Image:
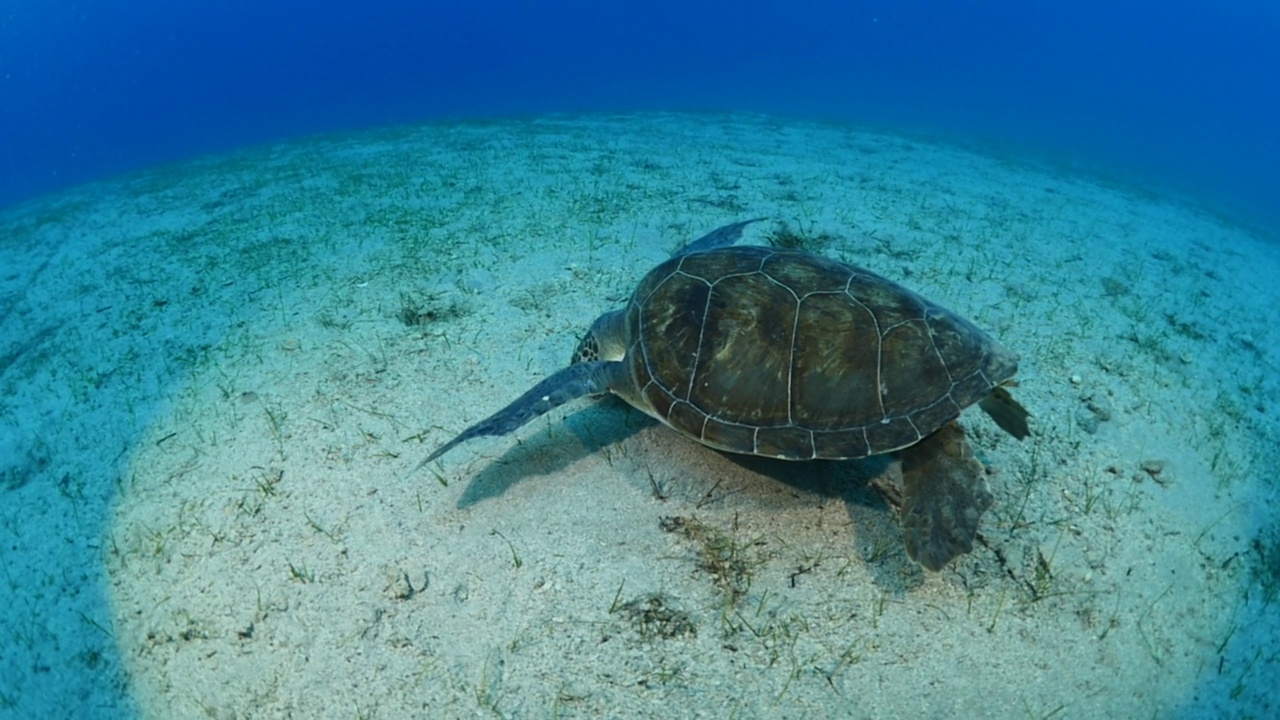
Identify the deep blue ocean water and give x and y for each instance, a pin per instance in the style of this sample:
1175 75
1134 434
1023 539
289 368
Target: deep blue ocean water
1177 93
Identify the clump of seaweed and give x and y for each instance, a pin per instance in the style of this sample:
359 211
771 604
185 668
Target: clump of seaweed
418 309
653 617
784 236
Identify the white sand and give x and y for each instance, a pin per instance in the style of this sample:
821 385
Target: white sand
213 408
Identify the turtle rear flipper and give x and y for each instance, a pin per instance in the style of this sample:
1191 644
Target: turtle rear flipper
944 496
586 378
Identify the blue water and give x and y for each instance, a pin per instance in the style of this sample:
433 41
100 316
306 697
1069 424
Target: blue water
1177 94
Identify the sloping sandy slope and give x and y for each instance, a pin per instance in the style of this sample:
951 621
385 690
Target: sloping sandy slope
219 378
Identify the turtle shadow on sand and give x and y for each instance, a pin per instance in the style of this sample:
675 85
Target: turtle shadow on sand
610 422
555 448
606 425
869 491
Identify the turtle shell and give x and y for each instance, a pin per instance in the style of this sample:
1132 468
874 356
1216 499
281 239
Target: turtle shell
785 354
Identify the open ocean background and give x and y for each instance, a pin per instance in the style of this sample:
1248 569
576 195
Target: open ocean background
1180 94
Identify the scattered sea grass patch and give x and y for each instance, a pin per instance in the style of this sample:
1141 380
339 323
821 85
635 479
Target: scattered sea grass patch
1114 287
1265 562
24 465
730 562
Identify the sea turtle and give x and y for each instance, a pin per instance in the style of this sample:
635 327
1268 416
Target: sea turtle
782 353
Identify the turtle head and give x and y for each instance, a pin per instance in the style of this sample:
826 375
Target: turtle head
605 340
588 349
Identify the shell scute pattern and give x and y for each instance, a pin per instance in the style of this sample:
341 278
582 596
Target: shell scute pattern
785 354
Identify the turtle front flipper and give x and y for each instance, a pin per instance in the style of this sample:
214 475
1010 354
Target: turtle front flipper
587 378
944 496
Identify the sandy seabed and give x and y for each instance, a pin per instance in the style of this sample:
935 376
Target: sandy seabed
219 379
